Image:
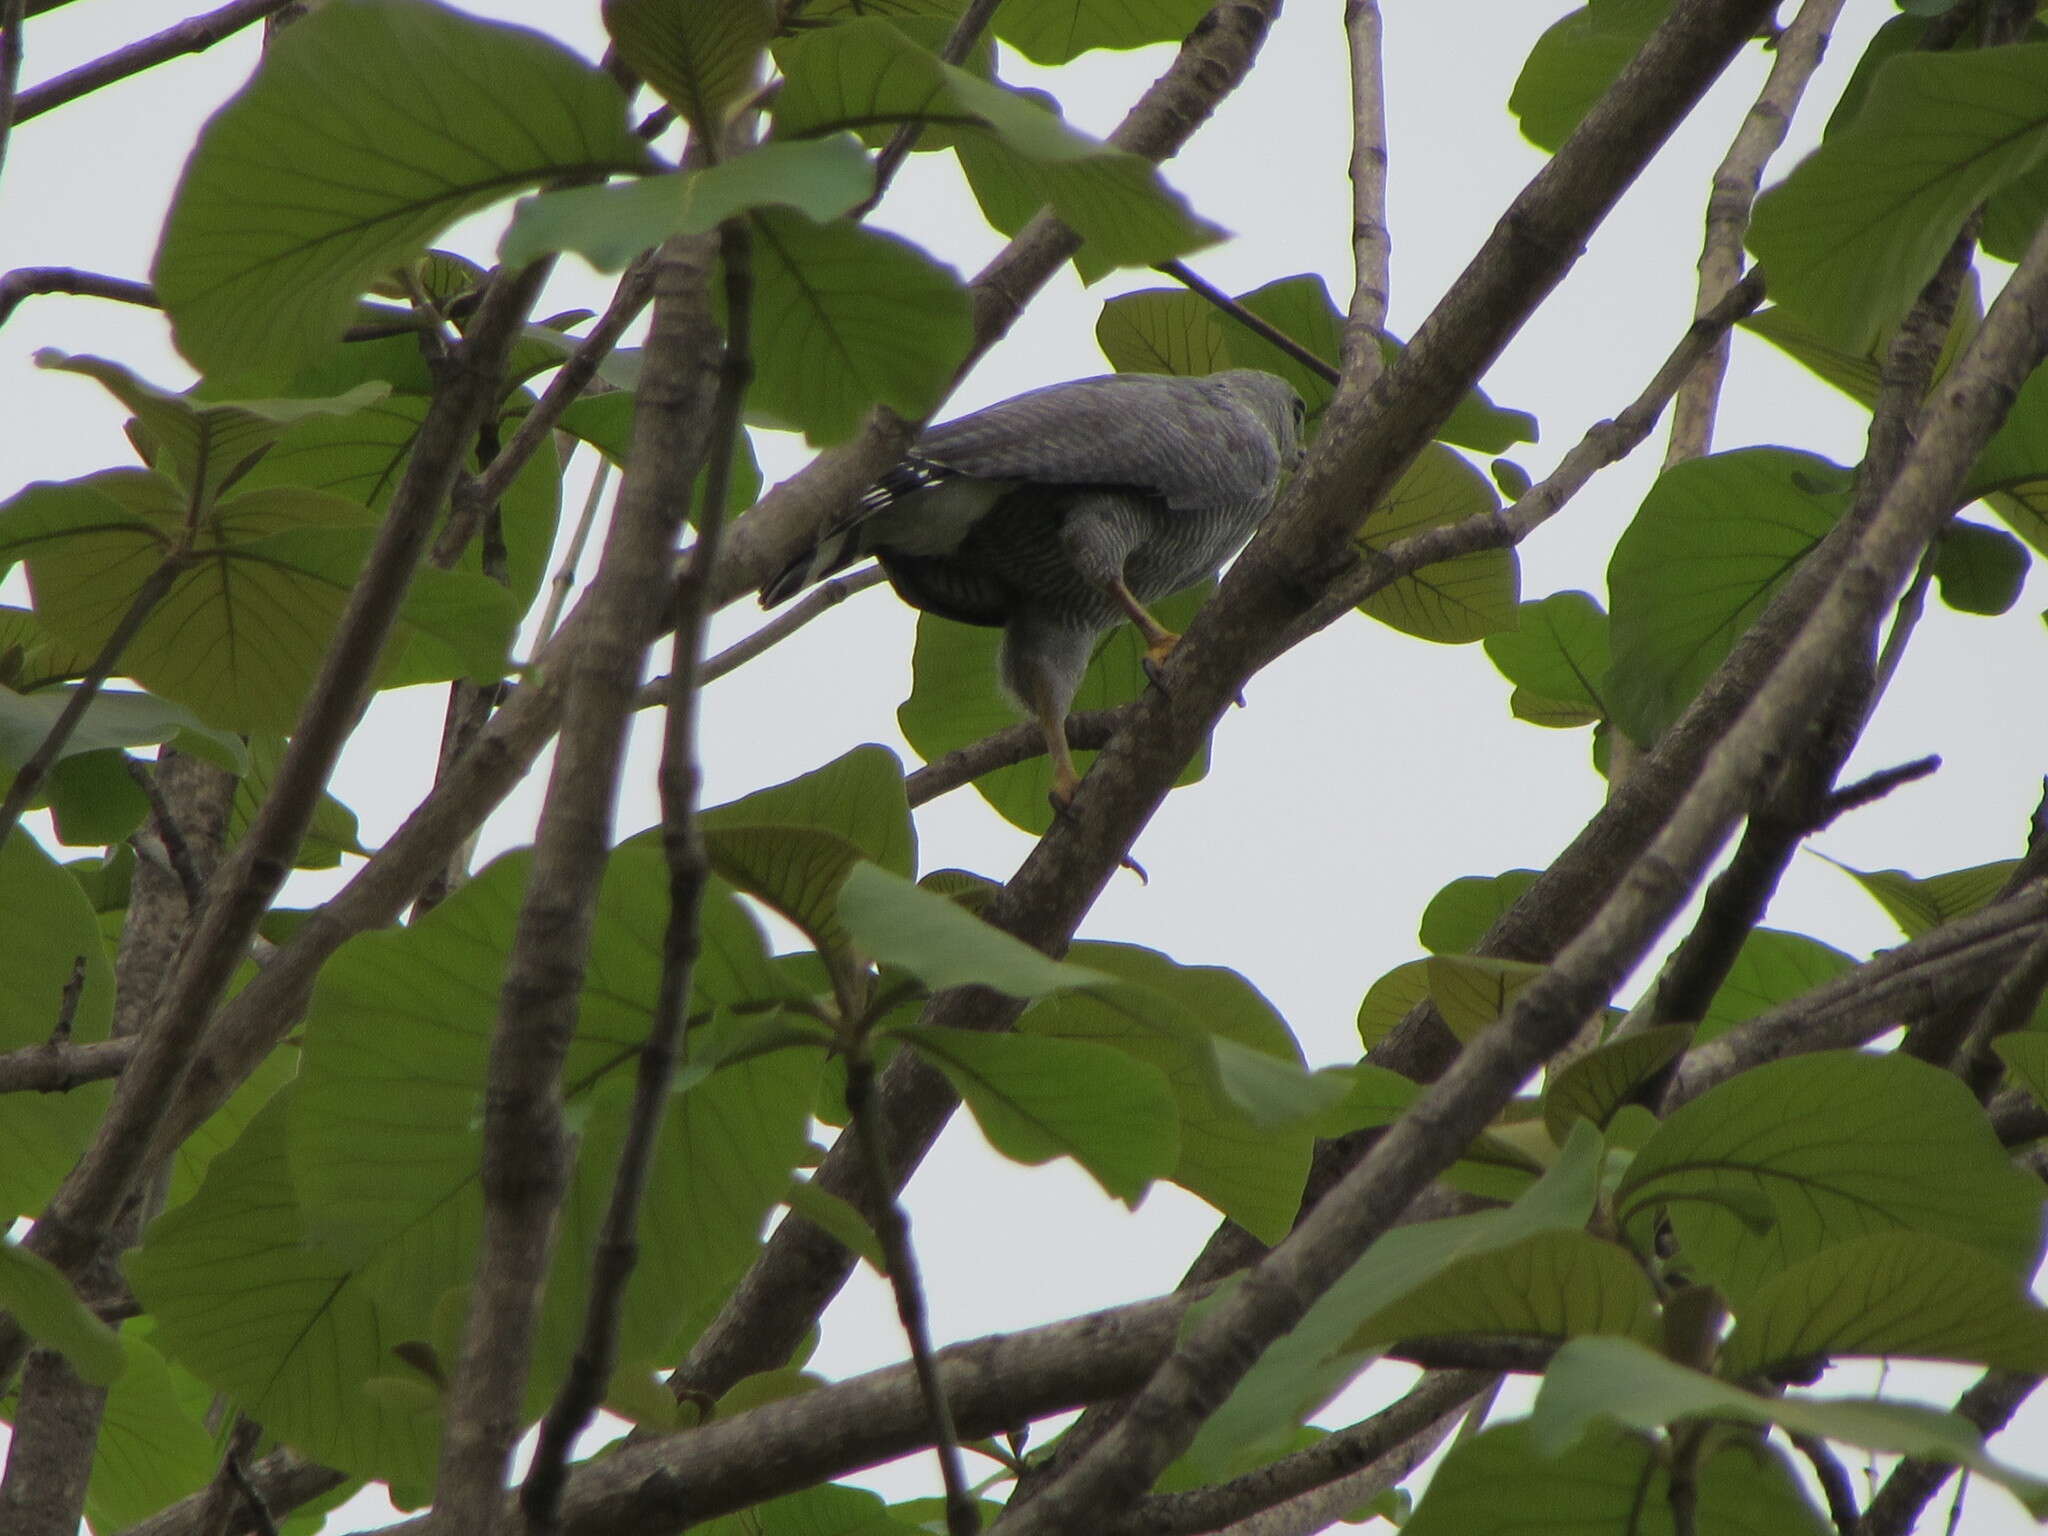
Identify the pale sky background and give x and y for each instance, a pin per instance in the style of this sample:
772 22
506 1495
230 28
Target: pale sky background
1368 770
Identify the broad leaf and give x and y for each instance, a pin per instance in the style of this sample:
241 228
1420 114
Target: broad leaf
1557 657
1455 601
1979 569
703 58
1459 915
858 796
1857 229
1036 1098
49 931
371 126
1173 1017
1387 1001
1574 63
1840 1145
846 318
1472 991
1055 31
610 225
943 945
116 718
152 1449
201 444
1552 1285
1502 1482
1895 1294
1596 1085
1303 1369
1920 905
1712 543
1618 1380
38 1296
1772 968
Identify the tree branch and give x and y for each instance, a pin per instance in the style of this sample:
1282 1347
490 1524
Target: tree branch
1797 54
1371 245
689 868
1989 1404
195 34
525 1154
12 15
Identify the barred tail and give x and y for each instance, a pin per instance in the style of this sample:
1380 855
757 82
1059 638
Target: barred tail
829 556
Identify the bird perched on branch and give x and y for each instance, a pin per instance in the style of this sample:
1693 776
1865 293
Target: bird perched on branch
1056 514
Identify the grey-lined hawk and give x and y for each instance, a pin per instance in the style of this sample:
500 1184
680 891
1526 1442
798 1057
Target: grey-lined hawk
1055 514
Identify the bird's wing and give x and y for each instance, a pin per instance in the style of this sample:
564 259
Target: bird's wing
1180 439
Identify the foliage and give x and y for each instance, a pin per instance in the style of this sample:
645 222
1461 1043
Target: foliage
310 1262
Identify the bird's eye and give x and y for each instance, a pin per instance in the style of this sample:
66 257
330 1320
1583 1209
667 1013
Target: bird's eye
1300 415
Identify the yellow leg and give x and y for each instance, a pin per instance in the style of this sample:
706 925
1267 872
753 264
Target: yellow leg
1159 640
1065 778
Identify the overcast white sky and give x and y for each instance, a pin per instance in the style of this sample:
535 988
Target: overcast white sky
1368 769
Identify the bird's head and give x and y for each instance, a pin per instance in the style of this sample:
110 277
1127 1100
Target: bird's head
1273 400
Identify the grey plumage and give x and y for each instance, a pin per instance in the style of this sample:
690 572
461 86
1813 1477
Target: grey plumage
1057 513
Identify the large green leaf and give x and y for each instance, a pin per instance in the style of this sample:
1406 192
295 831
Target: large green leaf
861 73
1857 229
1554 1284
1599 1083
954 699
1171 1016
1611 1483
829 1510
241 633
704 58
1896 1294
1596 1380
152 1448
1557 657
396 1036
1387 1001
844 319
330 834
858 796
1037 1097
1920 905
1459 915
245 1300
116 718
1836 1146
1055 31
610 225
943 944
371 126
1455 601
50 929
200 444
38 1296
1712 543
1575 61
1303 1369
1473 991
1979 569
1770 969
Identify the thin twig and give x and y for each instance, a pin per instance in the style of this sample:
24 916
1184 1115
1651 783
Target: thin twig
1834 1480
564 581
1989 1403
1180 273
1371 244
177 851
1793 60
689 869
194 34
12 15
33 772
67 1004
27 282
1874 787
1905 619
825 595
892 1228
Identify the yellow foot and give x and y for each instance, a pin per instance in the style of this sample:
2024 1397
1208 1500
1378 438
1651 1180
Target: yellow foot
1157 649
